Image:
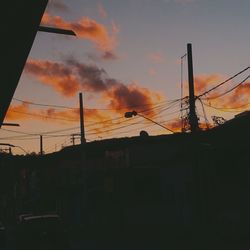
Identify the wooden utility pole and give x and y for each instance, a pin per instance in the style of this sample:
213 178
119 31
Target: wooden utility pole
73 139
83 140
193 120
41 145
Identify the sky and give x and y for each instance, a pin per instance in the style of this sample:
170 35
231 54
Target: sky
127 56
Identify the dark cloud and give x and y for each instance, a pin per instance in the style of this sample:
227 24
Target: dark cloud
57 5
109 55
72 76
105 56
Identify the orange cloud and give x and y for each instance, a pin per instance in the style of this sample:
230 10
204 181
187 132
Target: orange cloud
24 112
236 99
174 125
133 96
86 28
204 82
56 75
12 115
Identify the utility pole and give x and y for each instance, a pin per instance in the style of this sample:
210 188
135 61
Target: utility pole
41 145
193 120
73 139
83 140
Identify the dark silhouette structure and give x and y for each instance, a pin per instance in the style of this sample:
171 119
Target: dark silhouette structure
16 43
159 190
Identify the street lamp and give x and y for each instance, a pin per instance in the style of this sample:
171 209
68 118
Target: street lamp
10 124
13 146
134 113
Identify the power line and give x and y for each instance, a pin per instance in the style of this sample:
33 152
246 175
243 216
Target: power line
44 116
222 109
228 108
204 112
122 117
222 83
230 90
42 104
41 133
17 132
25 135
125 120
66 119
73 108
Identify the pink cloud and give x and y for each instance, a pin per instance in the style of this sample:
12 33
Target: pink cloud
86 28
102 12
152 72
156 57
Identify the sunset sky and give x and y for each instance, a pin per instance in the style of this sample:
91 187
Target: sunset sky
126 56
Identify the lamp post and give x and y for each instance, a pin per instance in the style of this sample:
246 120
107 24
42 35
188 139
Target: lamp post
134 113
13 146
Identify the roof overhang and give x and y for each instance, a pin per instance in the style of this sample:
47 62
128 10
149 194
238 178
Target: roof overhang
21 23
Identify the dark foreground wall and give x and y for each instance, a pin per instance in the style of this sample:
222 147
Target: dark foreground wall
150 185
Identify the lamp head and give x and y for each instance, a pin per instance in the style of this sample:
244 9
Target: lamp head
130 114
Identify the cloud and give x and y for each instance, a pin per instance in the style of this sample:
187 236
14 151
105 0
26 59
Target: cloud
57 5
72 76
106 55
121 95
86 28
236 98
156 57
12 115
204 82
152 72
24 111
109 55
174 125
115 28
102 12
58 76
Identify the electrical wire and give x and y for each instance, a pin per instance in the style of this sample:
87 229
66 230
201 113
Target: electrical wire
42 104
204 112
86 108
222 83
44 116
230 90
66 119
25 135
222 109
228 108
